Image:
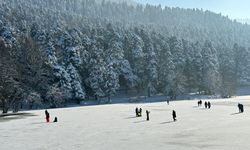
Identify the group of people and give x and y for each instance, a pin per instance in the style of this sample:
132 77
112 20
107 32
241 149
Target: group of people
207 104
139 111
47 116
139 114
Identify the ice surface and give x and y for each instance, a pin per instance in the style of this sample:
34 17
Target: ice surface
114 127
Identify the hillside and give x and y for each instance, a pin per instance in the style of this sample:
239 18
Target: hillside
247 21
58 52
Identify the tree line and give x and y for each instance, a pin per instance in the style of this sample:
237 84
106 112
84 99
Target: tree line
55 52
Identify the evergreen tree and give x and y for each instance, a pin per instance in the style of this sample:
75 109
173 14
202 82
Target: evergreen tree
210 69
227 72
179 81
197 66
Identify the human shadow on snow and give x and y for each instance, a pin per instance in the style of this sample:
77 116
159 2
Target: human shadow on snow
167 122
131 117
236 113
39 123
141 121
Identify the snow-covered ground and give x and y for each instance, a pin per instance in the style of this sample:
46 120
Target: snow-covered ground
114 127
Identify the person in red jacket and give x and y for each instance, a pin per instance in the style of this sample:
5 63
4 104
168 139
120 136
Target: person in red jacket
47 115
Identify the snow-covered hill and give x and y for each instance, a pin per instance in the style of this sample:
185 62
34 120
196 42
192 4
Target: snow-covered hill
120 1
247 21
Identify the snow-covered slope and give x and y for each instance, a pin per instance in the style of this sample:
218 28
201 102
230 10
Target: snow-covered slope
114 127
247 21
120 1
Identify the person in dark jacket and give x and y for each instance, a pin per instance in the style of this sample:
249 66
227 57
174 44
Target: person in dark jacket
47 115
174 115
205 104
137 112
140 112
147 112
241 108
208 105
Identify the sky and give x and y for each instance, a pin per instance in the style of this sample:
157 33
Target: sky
234 9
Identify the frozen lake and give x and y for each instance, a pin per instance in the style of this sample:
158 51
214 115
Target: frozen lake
114 127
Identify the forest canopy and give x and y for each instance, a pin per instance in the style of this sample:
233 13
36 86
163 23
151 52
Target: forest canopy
59 51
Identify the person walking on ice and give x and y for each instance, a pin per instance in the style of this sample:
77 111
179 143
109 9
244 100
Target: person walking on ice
140 112
147 112
137 112
241 108
208 105
174 115
47 115
205 104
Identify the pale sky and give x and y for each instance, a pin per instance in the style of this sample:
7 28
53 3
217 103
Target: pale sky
235 9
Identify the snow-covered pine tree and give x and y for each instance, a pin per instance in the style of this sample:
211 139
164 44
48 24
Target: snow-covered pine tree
166 68
227 72
117 65
70 44
9 85
210 69
55 96
151 74
33 98
111 80
96 70
197 66
192 63
179 82
133 46
241 58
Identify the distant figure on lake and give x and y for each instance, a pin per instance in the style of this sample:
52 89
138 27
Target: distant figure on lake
55 120
205 104
199 103
137 112
47 115
140 112
168 102
208 105
174 115
147 112
241 108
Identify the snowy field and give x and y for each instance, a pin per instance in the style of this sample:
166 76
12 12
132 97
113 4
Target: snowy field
114 127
